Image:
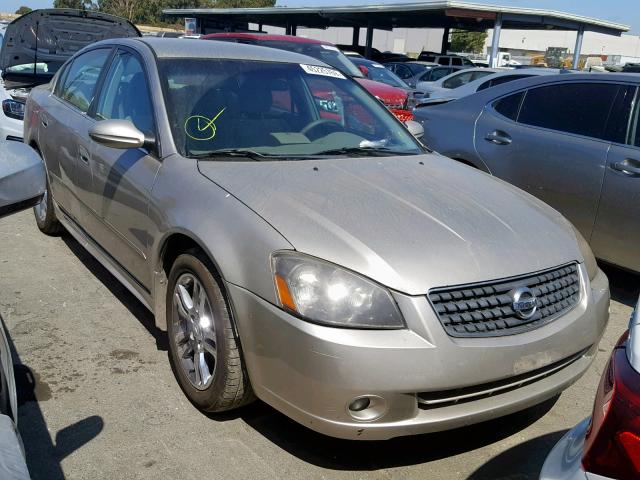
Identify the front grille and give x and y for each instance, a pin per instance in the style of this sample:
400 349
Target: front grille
486 309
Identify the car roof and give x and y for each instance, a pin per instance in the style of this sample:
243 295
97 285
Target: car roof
264 37
196 48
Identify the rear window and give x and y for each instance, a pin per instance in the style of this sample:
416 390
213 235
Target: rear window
579 108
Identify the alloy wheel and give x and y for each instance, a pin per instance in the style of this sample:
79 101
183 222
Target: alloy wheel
194 331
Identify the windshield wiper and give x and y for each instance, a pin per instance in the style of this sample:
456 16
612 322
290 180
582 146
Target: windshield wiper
364 151
232 152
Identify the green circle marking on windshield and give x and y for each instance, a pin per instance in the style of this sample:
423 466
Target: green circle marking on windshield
199 127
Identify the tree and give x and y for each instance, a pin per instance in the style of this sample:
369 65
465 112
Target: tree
23 10
244 3
468 42
77 4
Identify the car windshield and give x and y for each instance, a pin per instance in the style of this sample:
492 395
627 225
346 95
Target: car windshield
256 110
326 53
378 73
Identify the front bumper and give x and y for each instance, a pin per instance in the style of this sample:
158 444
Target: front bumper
312 373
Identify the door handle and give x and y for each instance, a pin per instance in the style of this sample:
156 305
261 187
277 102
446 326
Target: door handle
498 137
627 167
83 155
44 121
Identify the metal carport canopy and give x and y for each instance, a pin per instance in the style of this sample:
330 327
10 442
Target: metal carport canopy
445 14
438 14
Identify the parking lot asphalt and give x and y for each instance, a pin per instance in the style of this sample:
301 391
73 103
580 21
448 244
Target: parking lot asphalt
98 399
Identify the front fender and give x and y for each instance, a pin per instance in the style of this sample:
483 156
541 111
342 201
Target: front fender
237 240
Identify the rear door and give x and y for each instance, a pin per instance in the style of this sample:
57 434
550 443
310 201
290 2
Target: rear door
550 141
122 179
64 125
616 235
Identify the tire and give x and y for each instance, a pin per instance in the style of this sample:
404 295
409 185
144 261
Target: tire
46 215
202 332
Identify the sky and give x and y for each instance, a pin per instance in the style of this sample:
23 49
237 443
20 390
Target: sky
621 11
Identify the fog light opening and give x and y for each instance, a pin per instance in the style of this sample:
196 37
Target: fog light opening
367 408
359 404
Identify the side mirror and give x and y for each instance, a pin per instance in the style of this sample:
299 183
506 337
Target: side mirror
364 70
118 134
22 177
415 128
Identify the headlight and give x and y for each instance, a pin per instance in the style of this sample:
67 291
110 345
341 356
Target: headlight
587 254
325 293
13 109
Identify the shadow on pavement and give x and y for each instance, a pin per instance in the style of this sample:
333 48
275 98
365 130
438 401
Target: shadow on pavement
131 303
624 285
524 461
43 454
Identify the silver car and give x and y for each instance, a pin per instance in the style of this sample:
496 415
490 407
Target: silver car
297 243
571 140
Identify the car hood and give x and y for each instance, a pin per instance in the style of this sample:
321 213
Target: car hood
49 37
410 223
388 94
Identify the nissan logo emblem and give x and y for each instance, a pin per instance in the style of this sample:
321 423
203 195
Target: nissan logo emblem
524 302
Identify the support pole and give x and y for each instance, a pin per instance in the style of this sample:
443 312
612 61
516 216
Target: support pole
495 41
578 47
367 49
445 41
294 29
355 41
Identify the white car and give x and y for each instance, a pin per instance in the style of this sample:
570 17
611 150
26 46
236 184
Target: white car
450 88
12 111
12 101
454 80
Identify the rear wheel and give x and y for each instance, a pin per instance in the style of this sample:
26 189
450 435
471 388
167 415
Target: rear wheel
46 215
203 345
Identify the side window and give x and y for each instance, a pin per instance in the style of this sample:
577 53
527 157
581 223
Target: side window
467 62
403 72
509 106
457 80
60 78
456 61
437 74
443 61
125 95
484 85
507 78
580 108
426 76
634 128
622 126
82 77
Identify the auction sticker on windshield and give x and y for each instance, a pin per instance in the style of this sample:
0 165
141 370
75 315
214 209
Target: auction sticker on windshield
324 71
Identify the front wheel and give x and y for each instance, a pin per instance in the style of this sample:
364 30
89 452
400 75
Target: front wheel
46 215
203 345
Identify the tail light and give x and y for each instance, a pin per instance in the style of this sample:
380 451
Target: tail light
612 446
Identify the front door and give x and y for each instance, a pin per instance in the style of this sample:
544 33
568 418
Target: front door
549 141
122 179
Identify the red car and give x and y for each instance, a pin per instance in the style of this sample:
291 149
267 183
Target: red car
394 98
